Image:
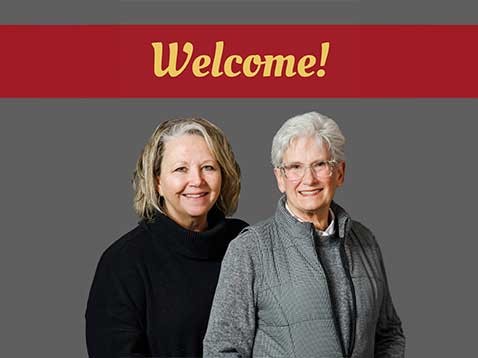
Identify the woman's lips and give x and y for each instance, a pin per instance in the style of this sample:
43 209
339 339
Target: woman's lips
310 192
195 195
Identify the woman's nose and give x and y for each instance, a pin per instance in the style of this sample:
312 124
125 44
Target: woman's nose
309 175
195 177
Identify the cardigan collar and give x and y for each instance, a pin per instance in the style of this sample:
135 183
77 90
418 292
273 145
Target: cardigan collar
304 230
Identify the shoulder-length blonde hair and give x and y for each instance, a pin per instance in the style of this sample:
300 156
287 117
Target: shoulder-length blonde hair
148 167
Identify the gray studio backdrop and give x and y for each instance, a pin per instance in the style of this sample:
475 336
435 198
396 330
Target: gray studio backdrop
66 195
67 164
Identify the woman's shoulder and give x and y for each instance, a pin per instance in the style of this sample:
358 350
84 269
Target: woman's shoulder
129 247
118 277
235 226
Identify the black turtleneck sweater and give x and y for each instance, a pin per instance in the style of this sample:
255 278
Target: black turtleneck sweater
153 289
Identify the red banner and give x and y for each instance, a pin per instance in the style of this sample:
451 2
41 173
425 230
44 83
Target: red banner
343 61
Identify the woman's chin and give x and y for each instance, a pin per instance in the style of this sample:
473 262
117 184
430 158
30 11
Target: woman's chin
197 211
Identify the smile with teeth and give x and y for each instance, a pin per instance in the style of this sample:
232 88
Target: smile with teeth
309 192
195 196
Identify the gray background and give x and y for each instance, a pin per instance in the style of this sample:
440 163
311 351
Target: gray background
66 196
66 168
239 11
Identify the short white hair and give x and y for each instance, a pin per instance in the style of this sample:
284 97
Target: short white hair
310 124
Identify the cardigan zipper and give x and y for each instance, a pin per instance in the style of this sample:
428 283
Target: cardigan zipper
338 331
345 263
347 353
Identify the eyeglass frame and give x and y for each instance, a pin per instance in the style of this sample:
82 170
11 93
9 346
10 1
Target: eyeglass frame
330 163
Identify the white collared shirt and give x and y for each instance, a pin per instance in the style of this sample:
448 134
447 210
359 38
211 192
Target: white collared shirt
327 232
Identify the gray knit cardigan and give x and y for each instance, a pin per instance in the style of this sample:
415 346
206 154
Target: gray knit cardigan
272 299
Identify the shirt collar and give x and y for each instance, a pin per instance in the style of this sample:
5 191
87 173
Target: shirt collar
327 232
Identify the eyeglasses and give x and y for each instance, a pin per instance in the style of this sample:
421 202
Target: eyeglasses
321 169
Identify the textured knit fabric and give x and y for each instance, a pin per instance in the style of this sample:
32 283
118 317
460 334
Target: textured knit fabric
272 298
153 289
340 287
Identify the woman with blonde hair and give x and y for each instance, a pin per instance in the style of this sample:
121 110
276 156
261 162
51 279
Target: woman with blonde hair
153 288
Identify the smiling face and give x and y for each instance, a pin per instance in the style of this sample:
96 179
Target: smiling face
190 181
309 198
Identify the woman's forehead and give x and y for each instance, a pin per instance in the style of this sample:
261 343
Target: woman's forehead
305 148
186 147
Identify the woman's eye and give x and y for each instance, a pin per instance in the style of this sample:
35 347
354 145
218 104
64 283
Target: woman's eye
320 164
181 170
208 168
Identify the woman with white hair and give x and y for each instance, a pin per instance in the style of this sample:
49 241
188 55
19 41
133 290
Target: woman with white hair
309 281
153 288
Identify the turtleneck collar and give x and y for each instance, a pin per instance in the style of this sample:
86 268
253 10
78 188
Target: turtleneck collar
204 245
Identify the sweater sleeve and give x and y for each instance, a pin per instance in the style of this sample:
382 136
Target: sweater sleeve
114 327
389 337
232 323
